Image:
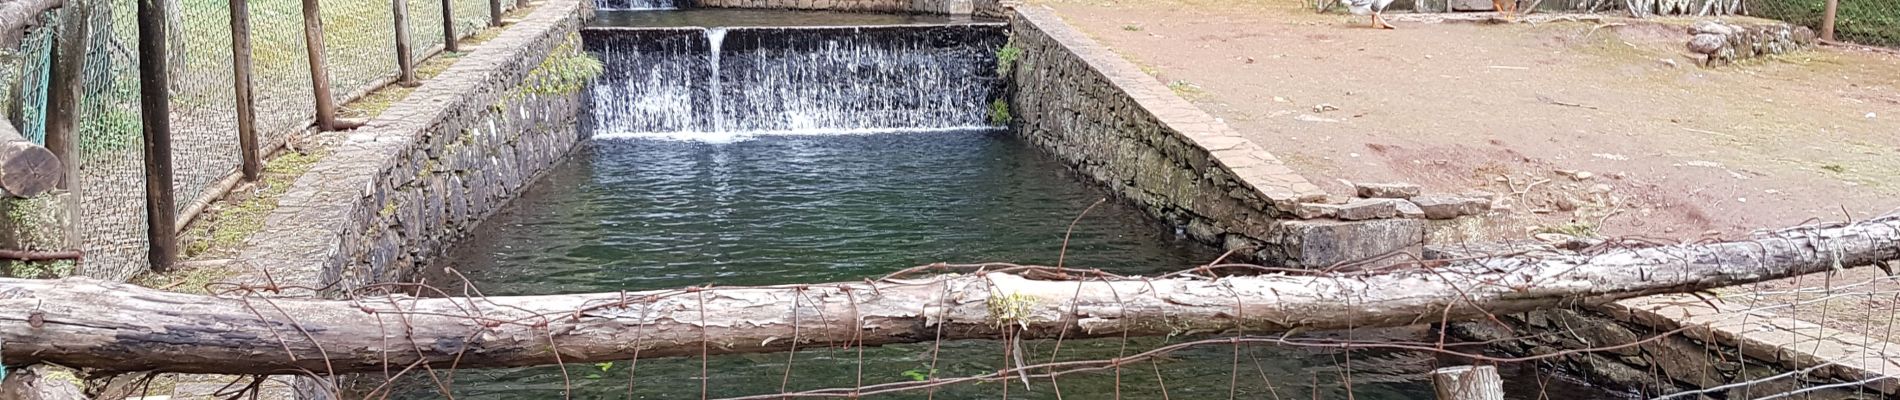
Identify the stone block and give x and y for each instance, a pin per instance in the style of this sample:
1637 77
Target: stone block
1364 209
1321 243
1448 207
1472 5
1315 210
1385 190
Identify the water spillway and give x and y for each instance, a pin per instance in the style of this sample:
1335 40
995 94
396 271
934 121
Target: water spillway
636 5
720 82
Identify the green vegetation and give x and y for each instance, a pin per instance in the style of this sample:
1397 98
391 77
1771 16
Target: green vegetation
1572 228
567 69
1131 28
999 112
1186 89
235 220
1866 22
1006 57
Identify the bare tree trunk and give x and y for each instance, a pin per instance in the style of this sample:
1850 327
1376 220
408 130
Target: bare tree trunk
87 323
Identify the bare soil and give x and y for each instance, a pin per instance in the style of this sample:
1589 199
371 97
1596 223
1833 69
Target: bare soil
1590 127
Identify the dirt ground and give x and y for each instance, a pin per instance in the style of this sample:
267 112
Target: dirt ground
1585 127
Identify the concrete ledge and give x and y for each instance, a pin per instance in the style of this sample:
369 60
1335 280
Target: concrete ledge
1103 116
400 188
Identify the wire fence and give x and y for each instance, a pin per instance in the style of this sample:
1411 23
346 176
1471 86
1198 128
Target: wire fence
359 44
1868 22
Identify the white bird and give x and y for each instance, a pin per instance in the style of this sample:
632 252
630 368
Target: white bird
1374 7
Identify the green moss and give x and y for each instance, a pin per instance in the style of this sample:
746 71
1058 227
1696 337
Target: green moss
38 269
1573 228
566 70
234 220
1010 309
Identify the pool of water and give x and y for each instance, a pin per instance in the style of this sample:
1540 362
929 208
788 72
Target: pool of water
635 214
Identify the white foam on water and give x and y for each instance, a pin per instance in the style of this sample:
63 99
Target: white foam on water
735 137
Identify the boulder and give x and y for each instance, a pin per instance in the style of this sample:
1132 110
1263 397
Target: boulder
1364 209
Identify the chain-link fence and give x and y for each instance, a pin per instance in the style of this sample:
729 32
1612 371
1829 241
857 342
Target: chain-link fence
1868 22
359 45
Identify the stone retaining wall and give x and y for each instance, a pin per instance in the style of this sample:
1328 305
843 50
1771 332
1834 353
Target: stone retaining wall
1098 112
410 182
1723 349
1719 43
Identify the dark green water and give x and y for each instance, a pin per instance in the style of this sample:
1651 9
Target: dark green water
649 214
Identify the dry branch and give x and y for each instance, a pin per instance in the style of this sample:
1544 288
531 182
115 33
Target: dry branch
116 327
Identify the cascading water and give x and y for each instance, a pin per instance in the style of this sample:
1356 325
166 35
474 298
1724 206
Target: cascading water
635 5
703 83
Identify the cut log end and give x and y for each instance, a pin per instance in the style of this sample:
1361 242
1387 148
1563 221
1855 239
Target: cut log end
1468 383
28 170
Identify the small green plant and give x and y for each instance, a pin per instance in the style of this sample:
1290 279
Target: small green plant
1131 28
999 112
920 374
567 69
1006 57
1835 168
1185 89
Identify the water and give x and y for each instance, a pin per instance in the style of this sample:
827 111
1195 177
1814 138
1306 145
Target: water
754 156
636 5
699 82
635 214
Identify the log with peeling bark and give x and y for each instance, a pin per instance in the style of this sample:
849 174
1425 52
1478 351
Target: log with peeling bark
116 327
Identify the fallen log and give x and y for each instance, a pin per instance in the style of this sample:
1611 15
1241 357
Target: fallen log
116 327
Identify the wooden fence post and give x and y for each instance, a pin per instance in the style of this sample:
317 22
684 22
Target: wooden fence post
1468 383
448 27
1827 19
405 57
155 111
494 12
62 102
253 156
319 69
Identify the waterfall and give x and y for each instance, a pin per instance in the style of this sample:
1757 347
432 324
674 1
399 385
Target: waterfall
635 5
715 36
687 82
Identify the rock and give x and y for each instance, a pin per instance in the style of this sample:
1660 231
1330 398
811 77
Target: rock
1669 62
1409 210
1448 207
1315 210
1386 190
1707 43
1323 243
1364 209
1712 28
1324 107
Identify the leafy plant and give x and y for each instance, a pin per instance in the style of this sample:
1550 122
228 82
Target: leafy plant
920 374
1006 57
999 112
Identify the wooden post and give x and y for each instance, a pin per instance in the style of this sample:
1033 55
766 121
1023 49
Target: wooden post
155 111
448 26
252 154
62 102
405 57
494 12
1827 19
319 69
1468 383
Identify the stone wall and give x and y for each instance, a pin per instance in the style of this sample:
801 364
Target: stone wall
1719 43
419 176
1732 353
1098 112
